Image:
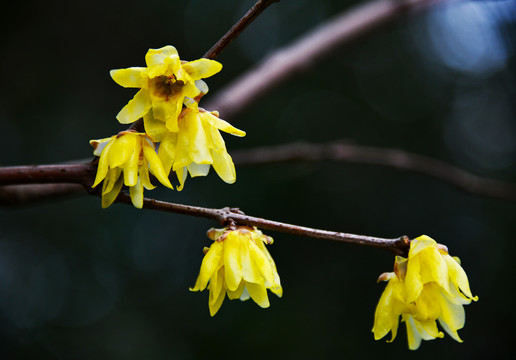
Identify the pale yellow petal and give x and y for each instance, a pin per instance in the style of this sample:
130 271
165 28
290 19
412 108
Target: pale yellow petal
222 125
131 166
154 128
202 68
386 317
198 169
420 243
250 271
122 150
103 166
133 77
258 293
168 111
232 265
217 292
135 108
136 193
413 336
413 282
156 167
223 165
260 261
109 197
209 264
167 151
237 294
458 276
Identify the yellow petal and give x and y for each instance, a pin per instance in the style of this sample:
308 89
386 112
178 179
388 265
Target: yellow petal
156 167
209 264
131 166
258 293
420 243
223 165
134 77
202 68
112 177
198 169
135 108
413 336
198 142
168 111
154 128
458 276
143 173
167 151
232 295
427 303
222 125
109 197
232 265
250 271
413 283
122 150
260 261
386 316
217 292
452 314
136 193
103 166
155 58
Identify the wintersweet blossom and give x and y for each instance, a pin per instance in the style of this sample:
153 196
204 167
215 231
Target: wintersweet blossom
164 84
239 265
196 146
127 158
426 287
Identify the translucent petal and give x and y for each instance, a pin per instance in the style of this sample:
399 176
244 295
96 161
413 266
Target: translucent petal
420 243
135 108
99 145
197 140
156 57
168 111
112 177
181 176
258 293
245 295
453 333
156 167
232 295
131 167
209 264
103 166
232 265
122 150
413 336
223 165
458 276
133 77
198 169
144 176
217 292
136 193
433 267
202 68
452 314
261 262
222 125
155 128
413 281
109 197
250 271
385 318
427 305
167 151
202 86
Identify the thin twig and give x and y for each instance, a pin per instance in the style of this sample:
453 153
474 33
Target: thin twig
236 29
398 246
296 58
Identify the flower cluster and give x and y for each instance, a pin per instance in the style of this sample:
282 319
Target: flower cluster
189 137
239 265
426 287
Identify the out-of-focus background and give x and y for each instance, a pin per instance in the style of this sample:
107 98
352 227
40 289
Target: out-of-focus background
80 282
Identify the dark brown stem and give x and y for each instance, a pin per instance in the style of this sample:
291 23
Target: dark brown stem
398 246
236 29
301 55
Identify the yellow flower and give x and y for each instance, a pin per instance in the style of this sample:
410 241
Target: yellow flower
164 84
133 155
426 287
196 146
237 263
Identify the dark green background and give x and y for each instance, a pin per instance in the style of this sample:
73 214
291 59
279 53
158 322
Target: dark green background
79 282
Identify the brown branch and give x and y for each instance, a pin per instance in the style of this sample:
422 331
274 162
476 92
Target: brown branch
398 246
296 58
393 158
16 195
236 29
84 173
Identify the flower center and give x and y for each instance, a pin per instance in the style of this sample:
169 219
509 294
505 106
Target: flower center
166 86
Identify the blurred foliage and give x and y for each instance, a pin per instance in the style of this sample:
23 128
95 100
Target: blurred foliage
80 282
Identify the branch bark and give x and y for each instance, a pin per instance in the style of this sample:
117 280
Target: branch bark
296 58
